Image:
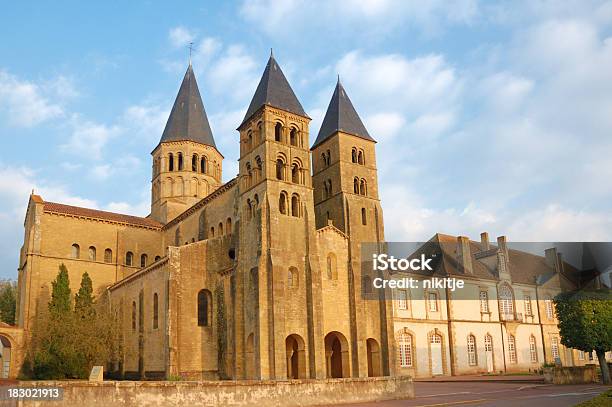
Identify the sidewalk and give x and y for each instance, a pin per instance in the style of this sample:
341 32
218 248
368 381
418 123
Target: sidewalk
534 379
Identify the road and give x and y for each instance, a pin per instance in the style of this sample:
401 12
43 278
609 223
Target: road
492 394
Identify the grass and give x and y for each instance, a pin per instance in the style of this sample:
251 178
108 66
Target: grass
603 400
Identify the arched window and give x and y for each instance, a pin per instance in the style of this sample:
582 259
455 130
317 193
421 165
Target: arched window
364 220
155 311
212 231
471 350
249 141
354 155
324 159
204 308
506 302
293 136
360 159
282 203
177 236
202 226
108 256
533 353
92 253
143 260
488 343
295 173
157 258
549 308
356 185
329 188
220 228
203 164
260 134
133 315
259 163
512 348
228 226
129 259
328 157
278 132
170 162
292 278
180 161
363 188
332 272
295 205
76 251
404 348
279 169
366 284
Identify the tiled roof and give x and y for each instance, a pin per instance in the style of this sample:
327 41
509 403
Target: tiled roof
274 90
341 116
188 120
52 207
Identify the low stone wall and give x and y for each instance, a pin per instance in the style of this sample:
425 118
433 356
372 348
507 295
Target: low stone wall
570 375
229 393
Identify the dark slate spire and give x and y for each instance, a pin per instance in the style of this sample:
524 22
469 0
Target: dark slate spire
341 116
274 90
188 120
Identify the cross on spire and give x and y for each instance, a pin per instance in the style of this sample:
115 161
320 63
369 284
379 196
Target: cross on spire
190 46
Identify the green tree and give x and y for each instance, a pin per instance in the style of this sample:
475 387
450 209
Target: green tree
60 294
83 299
585 323
8 301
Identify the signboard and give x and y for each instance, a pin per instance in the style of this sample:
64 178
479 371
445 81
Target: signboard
97 374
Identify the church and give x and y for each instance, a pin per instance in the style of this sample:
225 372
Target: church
260 277
253 278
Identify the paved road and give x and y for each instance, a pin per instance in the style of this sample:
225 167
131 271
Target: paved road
493 394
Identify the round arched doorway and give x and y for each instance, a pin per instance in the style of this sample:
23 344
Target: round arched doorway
373 352
336 355
296 358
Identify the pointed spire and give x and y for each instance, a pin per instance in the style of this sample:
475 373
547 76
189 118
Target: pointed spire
274 90
188 120
341 116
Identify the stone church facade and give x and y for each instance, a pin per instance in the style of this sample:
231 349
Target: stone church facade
260 277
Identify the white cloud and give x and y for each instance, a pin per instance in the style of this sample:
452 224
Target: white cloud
88 138
372 16
234 74
180 36
24 102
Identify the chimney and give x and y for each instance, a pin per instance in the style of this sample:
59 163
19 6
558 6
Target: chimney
464 256
552 260
484 241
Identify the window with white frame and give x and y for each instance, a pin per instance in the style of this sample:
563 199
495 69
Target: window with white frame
549 308
528 305
402 299
471 348
506 302
484 302
533 354
580 355
512 349
405 349
554 347
433 302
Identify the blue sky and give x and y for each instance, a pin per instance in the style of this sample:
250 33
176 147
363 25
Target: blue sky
489 116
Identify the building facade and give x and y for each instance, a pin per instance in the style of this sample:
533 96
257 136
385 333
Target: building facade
260 277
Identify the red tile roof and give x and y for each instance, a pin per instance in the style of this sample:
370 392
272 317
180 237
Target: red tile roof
52 207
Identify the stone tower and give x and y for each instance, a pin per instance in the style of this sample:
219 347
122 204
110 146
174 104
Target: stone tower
276 233
346 194
186 163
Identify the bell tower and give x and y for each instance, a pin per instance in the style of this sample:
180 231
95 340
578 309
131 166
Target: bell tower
186 163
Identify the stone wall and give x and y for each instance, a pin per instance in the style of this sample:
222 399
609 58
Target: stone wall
571 375
231 393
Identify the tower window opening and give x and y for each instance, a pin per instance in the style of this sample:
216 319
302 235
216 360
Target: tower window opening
170 162
278 131
293 136
194 163
295 205
364 220
279 169
180 161
354 155
203 165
